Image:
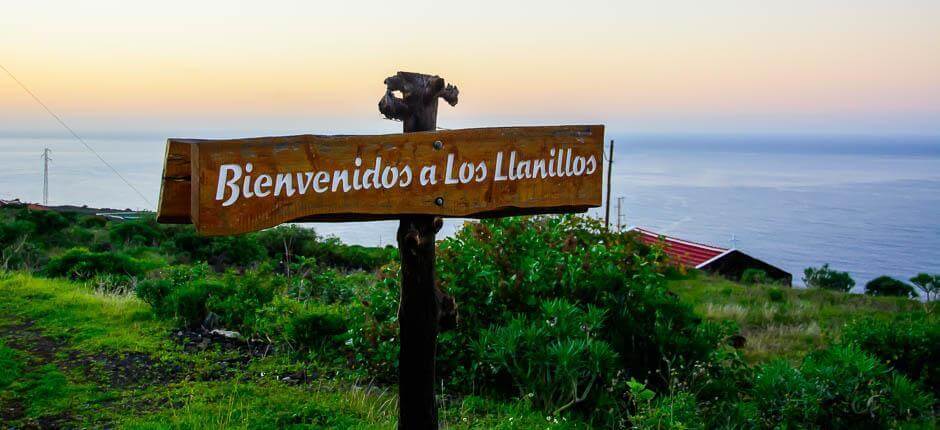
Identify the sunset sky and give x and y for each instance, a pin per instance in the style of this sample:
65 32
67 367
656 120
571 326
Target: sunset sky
227 68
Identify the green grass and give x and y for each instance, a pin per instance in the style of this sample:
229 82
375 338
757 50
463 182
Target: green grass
52 388
781 322
90 320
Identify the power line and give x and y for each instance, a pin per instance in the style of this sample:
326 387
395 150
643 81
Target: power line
76 136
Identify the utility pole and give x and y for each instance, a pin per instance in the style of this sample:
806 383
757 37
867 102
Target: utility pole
619 213
45 175
610 167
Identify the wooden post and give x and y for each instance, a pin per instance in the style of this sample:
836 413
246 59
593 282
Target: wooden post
423 310
610 168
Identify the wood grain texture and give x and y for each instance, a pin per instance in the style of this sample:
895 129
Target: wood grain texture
310 153
173 207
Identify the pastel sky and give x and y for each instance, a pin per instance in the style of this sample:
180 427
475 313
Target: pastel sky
226 68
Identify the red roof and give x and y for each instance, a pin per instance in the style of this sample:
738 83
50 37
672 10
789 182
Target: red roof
684 252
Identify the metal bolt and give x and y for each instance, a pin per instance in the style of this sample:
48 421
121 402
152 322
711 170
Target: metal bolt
438 144
439 201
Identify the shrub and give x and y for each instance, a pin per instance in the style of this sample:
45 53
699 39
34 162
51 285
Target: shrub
328 286
195 298
784 397
334 253
92 221
372 334
315 326
80 263
156 290
237 305
45 221
827 279
500 269
287 241
840 387
752 276
776 295
888 286
219 251
908 344
555 357
928 284
12 231
677 411
189 302
144 231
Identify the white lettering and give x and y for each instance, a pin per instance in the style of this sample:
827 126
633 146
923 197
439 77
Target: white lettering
226 183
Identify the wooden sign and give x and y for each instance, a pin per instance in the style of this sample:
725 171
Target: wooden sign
241 185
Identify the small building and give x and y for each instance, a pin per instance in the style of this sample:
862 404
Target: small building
729 263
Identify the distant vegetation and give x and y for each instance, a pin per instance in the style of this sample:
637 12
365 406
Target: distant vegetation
562 324
827 279
888 286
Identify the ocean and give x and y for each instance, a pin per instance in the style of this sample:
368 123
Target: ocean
869 205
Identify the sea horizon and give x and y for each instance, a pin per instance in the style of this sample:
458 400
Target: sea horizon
865 203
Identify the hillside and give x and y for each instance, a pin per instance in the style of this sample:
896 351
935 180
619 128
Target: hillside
562 325
782 322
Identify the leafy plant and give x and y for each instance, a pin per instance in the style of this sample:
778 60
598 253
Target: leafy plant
80 263
315 326
928 284
908 343
839 387
827 279
888 286
555 357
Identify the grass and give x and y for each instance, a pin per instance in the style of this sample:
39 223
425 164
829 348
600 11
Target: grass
62 345
781 322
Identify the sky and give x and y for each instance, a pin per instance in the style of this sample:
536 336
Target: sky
222 69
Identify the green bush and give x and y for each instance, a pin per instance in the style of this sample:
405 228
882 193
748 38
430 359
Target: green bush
144 231
10 232
909 344
776 295
189 302
677 411
372 334
499 269
752 276
287 242
554 357
92 222
888 286
195 298
334 253
840 387
219 251
928 284
238 304
45 221
827 279
315 326
80 263
155 291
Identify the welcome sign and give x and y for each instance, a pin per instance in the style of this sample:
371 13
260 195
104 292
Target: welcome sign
241 185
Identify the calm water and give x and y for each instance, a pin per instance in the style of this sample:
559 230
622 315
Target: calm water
868 205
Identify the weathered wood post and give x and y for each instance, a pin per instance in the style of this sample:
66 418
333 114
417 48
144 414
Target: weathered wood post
421 306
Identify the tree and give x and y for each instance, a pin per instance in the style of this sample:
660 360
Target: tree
827 279
929 284
888 286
